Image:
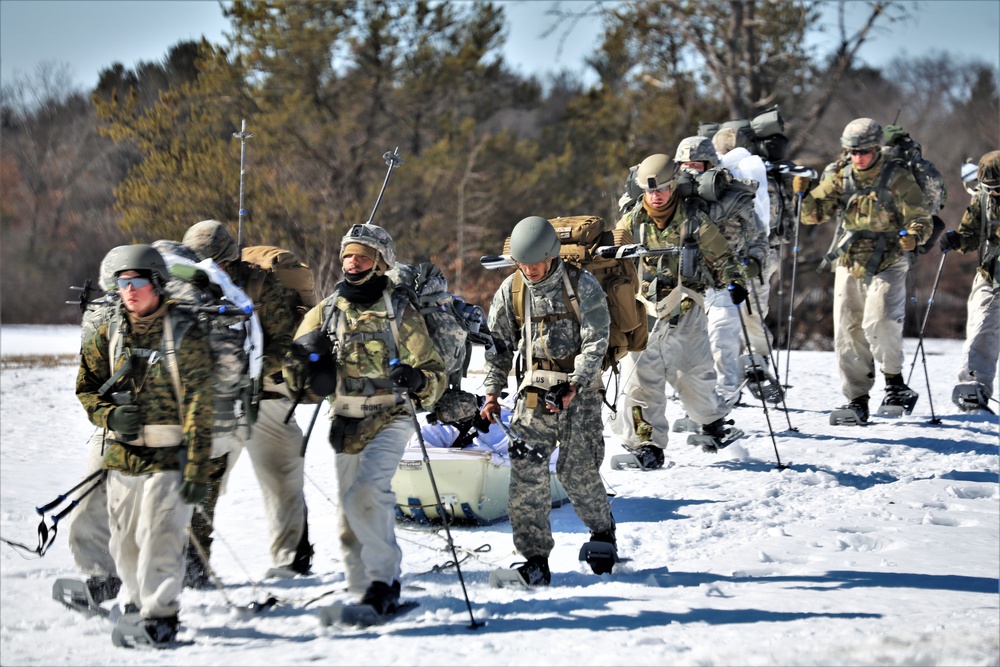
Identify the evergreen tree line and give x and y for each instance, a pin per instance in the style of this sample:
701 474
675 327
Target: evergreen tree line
328 87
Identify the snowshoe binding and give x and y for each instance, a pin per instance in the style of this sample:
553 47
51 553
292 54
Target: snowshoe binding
715 436
644 457
534 572
854 413
134 631
379 604
86 596
686 425
970 397
601 552
899 399
755 373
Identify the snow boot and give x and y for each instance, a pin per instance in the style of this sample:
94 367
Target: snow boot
755 372
535 572
644 457
971 397
383 598
103 588
715 436
195 573
899 399
601 552
854 413
133 630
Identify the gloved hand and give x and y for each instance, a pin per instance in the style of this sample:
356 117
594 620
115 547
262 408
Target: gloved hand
800 184
950 241
737 293
894 133
407 377
193 493
687 184
311 363
751 267
907 241
554 396
125 419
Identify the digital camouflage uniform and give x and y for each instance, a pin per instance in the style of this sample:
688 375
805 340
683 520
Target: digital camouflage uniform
870 281
678 350
576 430
372 447
148 518
979 232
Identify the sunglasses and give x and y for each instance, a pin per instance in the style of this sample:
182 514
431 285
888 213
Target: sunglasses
135 283
862 151
662 188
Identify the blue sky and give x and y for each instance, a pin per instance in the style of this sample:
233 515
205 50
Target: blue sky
90 35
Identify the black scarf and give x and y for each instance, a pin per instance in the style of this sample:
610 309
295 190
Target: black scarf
367 292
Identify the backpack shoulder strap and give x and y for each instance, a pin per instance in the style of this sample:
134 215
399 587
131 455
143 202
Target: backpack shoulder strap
517 297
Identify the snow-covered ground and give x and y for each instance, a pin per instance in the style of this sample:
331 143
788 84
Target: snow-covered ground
877 545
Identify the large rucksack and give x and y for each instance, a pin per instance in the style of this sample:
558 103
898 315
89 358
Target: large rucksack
294 275
581 236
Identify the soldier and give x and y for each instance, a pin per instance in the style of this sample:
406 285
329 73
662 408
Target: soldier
275 448
980 231
374 345
147 376
559 400
881 218
698 257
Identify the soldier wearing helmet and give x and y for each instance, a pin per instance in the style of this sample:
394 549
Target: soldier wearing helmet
979 232
157 414
274 444
694 256
881 218
372 345
560 397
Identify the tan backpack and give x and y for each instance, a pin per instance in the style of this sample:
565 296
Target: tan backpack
292 273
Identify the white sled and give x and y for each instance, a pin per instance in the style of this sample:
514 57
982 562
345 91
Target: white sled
472 487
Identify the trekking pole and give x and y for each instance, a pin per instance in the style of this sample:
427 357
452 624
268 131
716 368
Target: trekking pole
767 340
242 135
393 159
437 499
920 340
791 291
781 305
753 365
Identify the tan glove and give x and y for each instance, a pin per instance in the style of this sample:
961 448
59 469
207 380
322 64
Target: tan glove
800 184
908 242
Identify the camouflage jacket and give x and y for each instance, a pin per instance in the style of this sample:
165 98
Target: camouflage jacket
277 320
717 266
869 222
365 353
562 338
979 232
152 388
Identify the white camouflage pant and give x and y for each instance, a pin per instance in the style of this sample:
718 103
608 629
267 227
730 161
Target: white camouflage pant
89 530
149 538
982 335
367 507
680 356
868 326
725 336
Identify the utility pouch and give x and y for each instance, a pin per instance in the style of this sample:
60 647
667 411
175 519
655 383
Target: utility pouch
339 428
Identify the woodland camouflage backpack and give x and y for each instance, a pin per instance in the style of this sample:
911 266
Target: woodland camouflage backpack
293 274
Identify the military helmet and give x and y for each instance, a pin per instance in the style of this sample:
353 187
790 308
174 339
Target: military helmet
374 237
696 149
140 257
862 133
211 240
989 171
655 172
534 240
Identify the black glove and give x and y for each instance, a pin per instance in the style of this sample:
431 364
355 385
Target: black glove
950 241
407 377
311 363
737 293
687 184
554 396
125 419
193 493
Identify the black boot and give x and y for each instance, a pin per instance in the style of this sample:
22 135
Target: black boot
860 407
382 597
195 572
650 457
162 630
104 588
535 572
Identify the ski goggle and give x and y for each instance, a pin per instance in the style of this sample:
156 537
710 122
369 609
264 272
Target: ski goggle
862 151
135 282
662 188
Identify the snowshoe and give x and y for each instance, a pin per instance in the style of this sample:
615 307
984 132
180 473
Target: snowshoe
715 436
601 552
644 457
362 615
686 425
756 374
970 397
77 595
899 400
854 413
535 572
132 631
